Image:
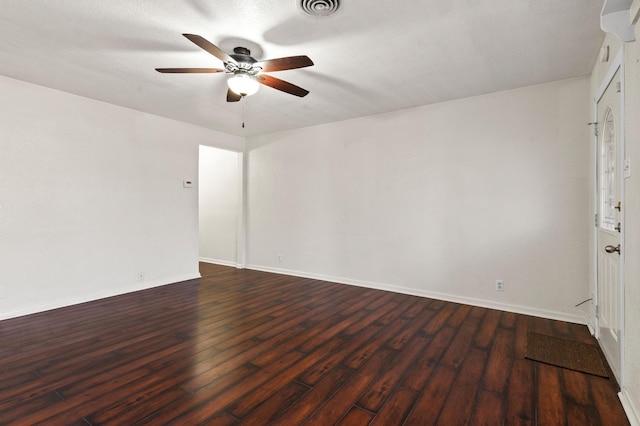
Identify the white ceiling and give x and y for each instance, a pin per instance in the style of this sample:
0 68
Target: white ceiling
371 57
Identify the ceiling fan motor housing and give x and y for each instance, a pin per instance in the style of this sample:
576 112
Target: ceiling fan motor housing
244 62
241 51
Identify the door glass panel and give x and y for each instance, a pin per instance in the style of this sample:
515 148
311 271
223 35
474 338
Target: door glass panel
608 172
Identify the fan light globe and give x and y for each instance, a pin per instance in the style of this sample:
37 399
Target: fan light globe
243 85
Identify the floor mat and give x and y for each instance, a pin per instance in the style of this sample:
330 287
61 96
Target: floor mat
566 353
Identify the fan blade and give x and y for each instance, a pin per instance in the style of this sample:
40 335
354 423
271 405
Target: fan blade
282 85
288 63
232 96
189 70
210 47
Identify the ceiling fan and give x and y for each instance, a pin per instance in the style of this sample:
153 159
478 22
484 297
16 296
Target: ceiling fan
246 71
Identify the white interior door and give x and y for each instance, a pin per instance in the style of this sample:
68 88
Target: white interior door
609 308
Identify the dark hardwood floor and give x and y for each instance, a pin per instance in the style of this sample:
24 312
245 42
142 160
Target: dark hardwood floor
247 347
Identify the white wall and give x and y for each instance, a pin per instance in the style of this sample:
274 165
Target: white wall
440 200
220 187
90 195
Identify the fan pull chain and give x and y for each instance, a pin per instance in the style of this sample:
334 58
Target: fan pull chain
244 98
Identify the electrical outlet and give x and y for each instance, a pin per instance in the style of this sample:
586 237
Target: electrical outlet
499 285
279 257
140 276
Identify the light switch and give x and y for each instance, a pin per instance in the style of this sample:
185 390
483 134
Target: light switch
187 183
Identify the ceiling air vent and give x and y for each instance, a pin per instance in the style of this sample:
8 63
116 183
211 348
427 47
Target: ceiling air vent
320 8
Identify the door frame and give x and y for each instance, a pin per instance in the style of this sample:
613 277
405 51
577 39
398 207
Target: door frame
241 228
241 200
616 65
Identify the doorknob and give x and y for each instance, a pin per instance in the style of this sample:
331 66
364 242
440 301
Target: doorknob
612 249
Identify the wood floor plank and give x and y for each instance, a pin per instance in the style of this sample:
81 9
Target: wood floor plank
356 417
508 320
363 353
315 373
154 393
576 387
396 408
383 315
16 412
457 318
256 348
427 408
484 337
265 411
493 409
378 391
606 402
191 400
460 404
302 408
400 340
440 319
460 344
209 405
577 415
498 367
551 404
75 408
247 402
522 327
340 402
416 305
418 374
133 409
329 329
521 398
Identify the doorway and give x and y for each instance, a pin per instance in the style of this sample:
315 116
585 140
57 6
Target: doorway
220 206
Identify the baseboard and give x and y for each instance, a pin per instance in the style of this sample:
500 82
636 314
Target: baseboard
518 309
632 414
96 296
218 262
